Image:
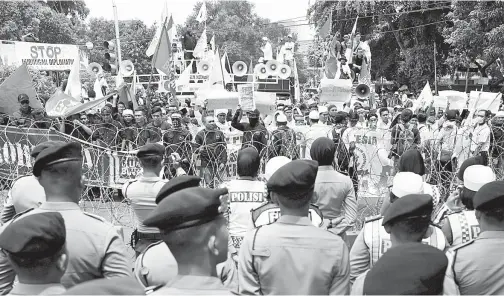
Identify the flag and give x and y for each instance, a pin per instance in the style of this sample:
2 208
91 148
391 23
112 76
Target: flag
132 92
60 103
250 76
155 40
19 82
297 91
162 56
227 76
88 105
425 98
212 43
326 28
74 87
153 44
199 49
354 29
202 14
184 78
215 76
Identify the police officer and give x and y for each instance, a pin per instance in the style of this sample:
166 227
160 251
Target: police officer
177 140
373 240
25 192
95 248
254 132
35 247
321 266
462 226
408 269
115 286
476 267
194 229
283 139
142 193
269 211
213 151
156 265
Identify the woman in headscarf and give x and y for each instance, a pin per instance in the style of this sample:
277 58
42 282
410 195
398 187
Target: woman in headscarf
412 161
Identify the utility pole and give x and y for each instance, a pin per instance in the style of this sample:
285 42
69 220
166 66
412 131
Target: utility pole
118 41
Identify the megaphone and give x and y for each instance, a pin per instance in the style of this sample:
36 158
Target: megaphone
362 91
284 72
204 68
261 71
272 67
126 68
94 68
239 68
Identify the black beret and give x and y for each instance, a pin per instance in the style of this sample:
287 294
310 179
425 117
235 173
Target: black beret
37 149
58 153
177 184
108 286
296 176
411 205
35 236
409 269
186 208
490 195
152 149
467 163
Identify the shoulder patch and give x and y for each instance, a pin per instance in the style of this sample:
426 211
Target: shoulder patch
372 218
99 218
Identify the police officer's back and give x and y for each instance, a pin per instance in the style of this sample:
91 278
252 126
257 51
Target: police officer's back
477 267
115 286
272 253
142 193
35 247
95 248
194 229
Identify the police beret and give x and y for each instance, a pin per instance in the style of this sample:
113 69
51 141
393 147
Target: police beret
177 184
412 205
34 236
186 208
151 149
490 195
295 176
58 153
108 286
409 269
37 149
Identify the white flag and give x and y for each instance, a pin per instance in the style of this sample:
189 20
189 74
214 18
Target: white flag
212 43
215 76
202 14
185 76
424 99
199 50
73 87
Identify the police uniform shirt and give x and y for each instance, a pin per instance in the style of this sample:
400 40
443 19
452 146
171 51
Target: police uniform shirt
34 289
373 241
94 246
193 285
143 199
244 195
461 227
155 265
269 212
266 265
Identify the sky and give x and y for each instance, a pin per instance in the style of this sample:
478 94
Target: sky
149 11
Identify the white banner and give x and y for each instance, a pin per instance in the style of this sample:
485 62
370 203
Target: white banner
40 56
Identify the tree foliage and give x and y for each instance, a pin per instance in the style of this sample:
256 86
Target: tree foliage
74 8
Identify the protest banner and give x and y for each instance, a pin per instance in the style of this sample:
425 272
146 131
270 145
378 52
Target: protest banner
246 97
337 91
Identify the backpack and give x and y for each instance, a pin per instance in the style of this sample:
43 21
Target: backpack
405 140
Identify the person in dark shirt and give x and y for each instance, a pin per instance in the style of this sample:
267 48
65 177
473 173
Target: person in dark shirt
254 132
188 44
110 130
157 126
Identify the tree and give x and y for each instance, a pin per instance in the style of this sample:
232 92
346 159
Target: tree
476 34
135 39
401 34
75 8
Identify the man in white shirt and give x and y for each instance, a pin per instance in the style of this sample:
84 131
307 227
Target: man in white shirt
266 49
289 50
480 137
317 130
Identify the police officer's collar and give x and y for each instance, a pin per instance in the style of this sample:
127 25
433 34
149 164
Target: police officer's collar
59 205
287 219
150 179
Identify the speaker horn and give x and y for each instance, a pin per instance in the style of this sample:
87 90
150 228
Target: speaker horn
126 68
284 72
239 68
94 68
362 91
204 68
261 71
272 67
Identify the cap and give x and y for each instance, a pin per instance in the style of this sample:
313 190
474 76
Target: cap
186 208
34 236
221 111
467 163
409 269
156 109
58 153
151 149
177 184
490 195
287 108
274 164
476 176
175 115
323 109
295 176
411 205
405 183
253 114
314 115
108 286
281 118
40 147
23 98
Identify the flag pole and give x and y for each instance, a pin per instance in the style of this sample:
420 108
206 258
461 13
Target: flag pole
435 70
222 70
